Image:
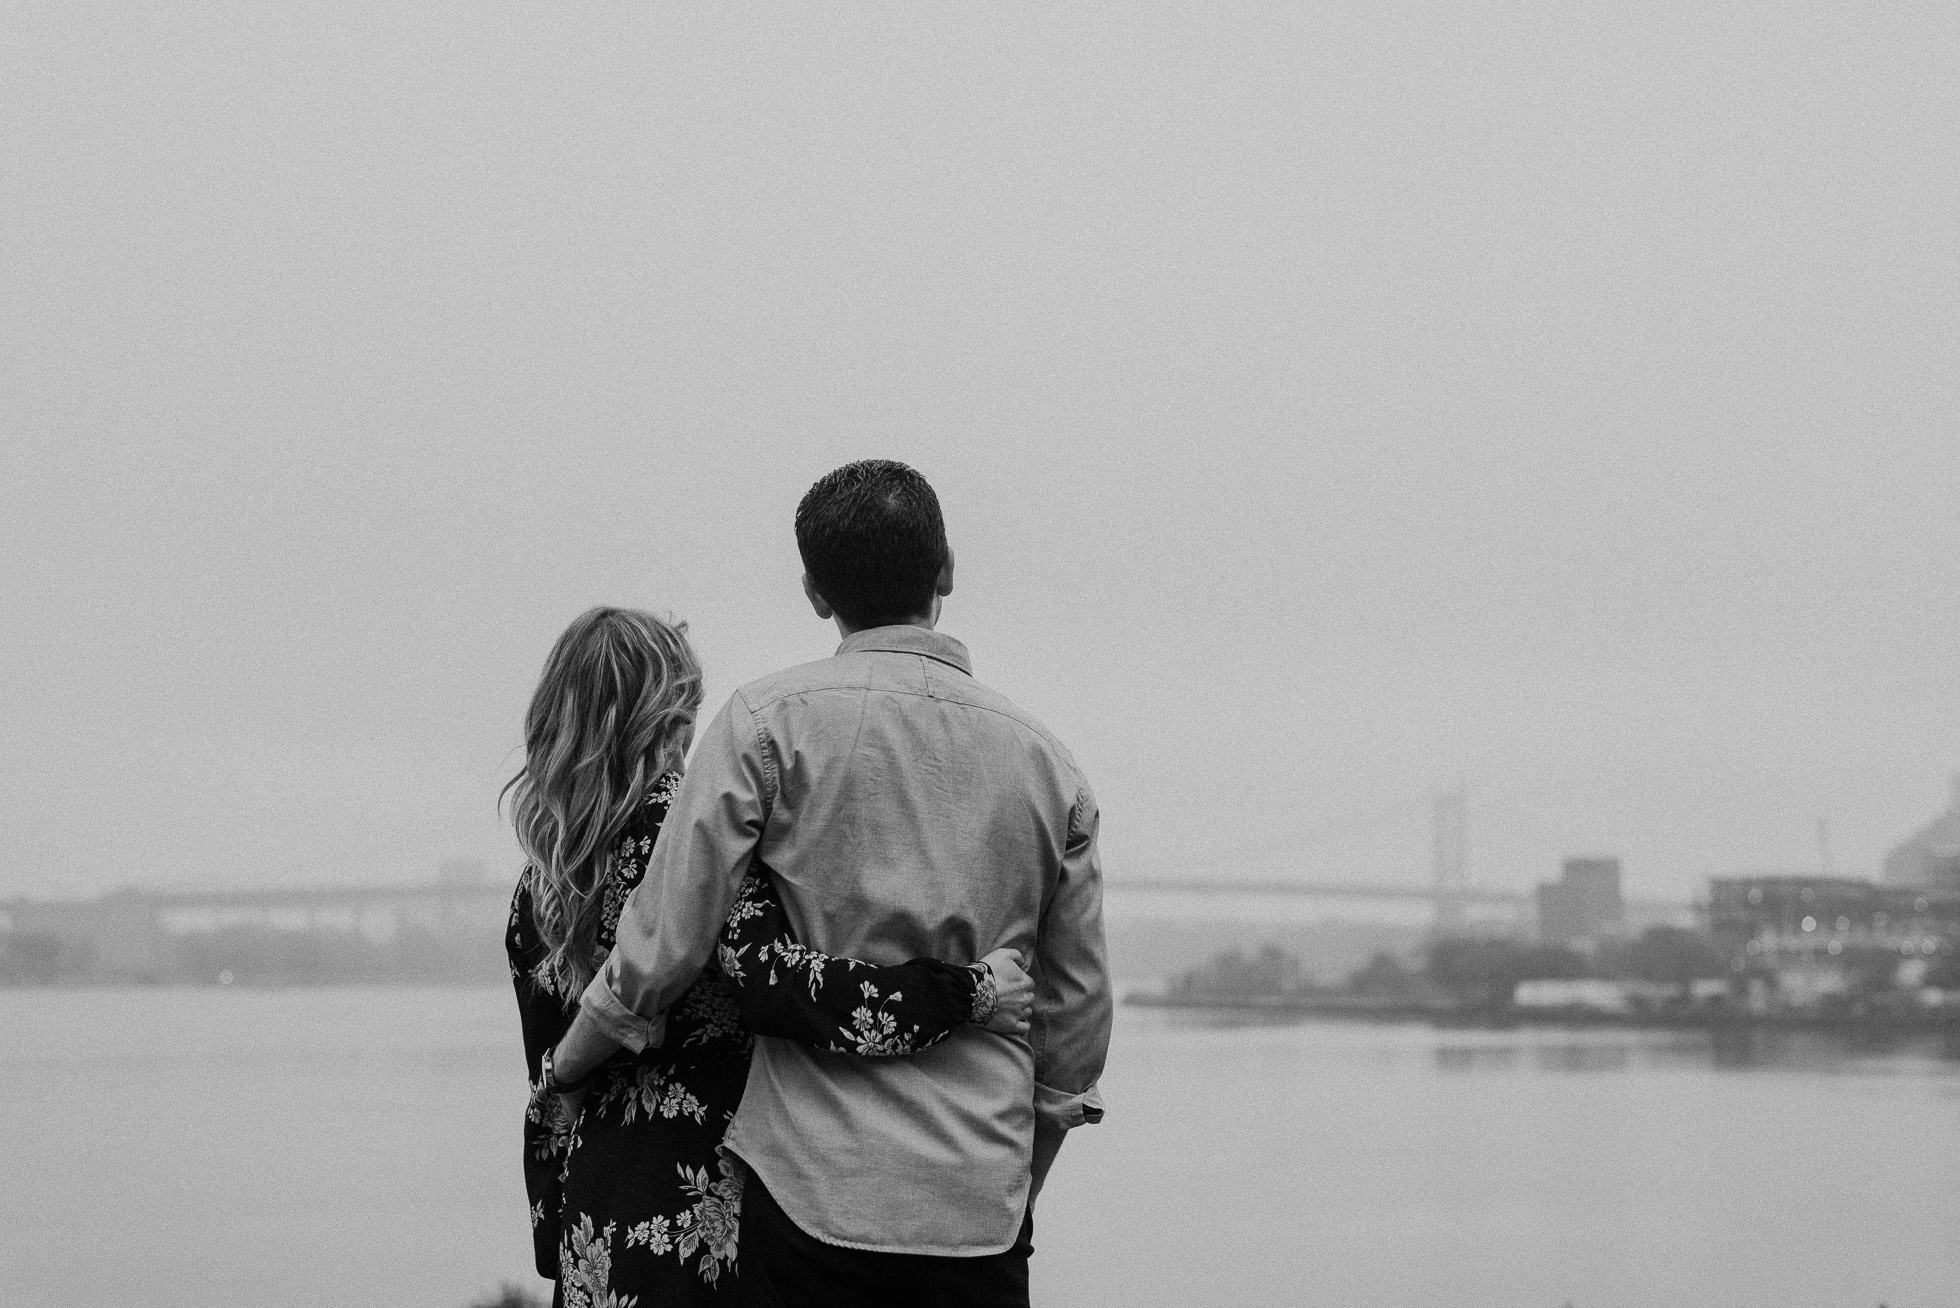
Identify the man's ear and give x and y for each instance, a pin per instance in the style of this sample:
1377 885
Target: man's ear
817 601
944 586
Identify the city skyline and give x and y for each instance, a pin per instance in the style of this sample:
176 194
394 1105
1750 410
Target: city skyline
1156 876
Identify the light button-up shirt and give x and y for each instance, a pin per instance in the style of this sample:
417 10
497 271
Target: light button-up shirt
907 810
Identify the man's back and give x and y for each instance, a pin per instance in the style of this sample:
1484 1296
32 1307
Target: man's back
906 811
916 813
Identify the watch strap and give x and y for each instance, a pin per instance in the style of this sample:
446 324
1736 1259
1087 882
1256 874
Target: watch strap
986 994
548 1074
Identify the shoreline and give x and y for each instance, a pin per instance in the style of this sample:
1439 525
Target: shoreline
1354 1008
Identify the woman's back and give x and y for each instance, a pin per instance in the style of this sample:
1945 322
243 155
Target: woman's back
635 1193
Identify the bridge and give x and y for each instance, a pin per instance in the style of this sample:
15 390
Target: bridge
1448 890
129 929
1243 888
465 888
382 895
328 898
133 932
1406 892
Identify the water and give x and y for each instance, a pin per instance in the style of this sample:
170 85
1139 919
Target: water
335 1147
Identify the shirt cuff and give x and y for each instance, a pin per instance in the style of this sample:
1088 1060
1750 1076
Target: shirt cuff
617 1020
1058 1110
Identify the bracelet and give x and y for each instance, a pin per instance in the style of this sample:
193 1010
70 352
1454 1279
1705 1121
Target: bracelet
548 1075
986 994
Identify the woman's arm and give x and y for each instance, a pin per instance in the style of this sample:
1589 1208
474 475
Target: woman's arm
845 1005
542 1014
547 1126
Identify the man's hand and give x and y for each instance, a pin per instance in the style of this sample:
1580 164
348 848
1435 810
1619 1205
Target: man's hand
1013 993
569 1104
584 1047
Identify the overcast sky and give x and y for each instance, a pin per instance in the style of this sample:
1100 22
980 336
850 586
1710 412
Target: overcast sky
1329 402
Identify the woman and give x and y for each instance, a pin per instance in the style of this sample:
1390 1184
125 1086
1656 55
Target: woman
633 1204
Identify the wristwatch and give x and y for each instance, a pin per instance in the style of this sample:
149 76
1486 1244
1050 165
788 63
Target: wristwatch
548 1074
986 995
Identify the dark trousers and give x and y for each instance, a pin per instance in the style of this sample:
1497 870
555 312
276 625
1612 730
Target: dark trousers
783 1266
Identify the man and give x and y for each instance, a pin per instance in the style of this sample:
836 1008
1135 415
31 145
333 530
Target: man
907 811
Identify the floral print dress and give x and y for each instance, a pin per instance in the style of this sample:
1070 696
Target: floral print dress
634 1204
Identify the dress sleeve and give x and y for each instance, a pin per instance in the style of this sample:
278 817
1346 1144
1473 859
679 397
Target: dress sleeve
543 1016
842 1005
668 926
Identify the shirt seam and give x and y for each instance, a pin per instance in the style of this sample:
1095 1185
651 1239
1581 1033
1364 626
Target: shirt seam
1039 733
771 781
864 711
916 653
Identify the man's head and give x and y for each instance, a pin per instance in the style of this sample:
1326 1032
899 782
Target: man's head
874 546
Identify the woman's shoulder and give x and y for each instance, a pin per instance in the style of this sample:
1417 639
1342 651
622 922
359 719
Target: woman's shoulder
635 841
628 864
654 803
636 838
521 931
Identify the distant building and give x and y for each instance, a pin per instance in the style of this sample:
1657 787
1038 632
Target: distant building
1747 908
1272 971
1810 983
1798 918
1596 995
1590 994
1584 905
1930 856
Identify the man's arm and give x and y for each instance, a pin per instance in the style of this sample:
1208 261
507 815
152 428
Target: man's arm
670 922
1073 1007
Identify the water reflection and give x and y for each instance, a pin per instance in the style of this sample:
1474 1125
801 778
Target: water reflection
1582 1058
1475 1058
1460 1049
1542 1056
1737 1048
1828 1049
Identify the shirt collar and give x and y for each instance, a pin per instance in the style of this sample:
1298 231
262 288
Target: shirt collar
909 640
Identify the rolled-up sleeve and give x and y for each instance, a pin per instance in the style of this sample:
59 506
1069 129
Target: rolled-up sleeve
1073 1009
670 922
603 1005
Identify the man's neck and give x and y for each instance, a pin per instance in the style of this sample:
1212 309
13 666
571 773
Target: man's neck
928 620
845 630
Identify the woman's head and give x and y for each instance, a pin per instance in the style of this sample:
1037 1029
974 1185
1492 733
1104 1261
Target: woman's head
613 711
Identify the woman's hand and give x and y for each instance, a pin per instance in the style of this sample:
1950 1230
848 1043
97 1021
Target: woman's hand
1014 992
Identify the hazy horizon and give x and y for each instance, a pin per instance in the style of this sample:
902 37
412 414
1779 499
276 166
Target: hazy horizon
1328 405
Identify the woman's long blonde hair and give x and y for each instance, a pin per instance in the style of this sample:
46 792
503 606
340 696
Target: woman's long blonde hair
613 712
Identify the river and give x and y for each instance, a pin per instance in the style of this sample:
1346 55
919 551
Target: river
303 1148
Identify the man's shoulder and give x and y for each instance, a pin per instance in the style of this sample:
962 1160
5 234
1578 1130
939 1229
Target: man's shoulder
848 677
834 673
979 695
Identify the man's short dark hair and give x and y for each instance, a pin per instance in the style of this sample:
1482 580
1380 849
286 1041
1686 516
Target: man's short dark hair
873 542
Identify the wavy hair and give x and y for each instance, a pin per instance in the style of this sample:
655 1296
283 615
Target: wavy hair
614 711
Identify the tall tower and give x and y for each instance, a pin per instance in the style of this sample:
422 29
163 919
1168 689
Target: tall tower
1450 857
